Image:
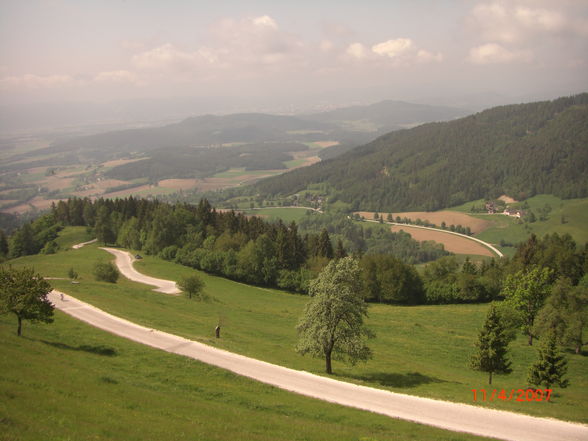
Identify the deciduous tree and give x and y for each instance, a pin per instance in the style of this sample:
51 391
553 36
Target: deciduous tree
526 291
24 293
332 324
192 285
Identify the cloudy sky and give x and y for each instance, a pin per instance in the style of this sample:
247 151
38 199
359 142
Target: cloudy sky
103 50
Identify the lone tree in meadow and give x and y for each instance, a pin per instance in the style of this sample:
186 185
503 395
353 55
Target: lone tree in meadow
492 346
192 285
106 272
551 365
24 293
526 291
332 325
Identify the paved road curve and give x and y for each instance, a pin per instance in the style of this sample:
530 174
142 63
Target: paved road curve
124 261
446 415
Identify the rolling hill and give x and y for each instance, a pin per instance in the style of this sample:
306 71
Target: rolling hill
517 150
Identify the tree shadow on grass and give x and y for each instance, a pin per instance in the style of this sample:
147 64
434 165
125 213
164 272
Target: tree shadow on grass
410 379
104 351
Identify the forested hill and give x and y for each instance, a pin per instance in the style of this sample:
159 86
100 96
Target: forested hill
389 115
518 150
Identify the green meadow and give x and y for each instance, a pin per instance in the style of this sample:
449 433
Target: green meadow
566 216
422 350
70 381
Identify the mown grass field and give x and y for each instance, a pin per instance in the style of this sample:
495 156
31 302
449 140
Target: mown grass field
69 381
420 350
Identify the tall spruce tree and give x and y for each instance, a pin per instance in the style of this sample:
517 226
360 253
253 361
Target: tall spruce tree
551 365
492 347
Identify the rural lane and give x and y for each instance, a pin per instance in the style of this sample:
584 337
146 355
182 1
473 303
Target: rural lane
124 262
443 414
486 244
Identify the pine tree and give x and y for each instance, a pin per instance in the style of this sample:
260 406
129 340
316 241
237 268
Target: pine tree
324 247
340 252
551 365
492 344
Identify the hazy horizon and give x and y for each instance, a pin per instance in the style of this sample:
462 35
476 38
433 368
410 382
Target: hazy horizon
206 57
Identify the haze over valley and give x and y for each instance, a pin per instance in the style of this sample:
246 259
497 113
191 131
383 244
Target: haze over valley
294 220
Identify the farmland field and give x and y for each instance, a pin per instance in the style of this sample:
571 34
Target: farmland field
437 217
451 242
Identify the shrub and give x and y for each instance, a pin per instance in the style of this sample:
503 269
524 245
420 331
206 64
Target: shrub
106 272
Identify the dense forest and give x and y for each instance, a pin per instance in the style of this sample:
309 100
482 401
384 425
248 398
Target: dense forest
258 252
199 162
518 150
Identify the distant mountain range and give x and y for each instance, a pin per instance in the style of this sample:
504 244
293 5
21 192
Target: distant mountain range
263 133
388 115
518 150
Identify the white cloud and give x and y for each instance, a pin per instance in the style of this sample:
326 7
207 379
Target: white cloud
517 21
117 77
168 57
540 19
393 48
326 45
265 21
31 81
356 50
493 53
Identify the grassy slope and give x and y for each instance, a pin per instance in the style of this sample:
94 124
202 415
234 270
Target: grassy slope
419 350
574 211
69 381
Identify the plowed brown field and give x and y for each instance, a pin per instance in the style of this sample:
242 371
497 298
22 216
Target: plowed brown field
451 242
436 217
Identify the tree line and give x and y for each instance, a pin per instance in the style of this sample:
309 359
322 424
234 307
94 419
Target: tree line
289 256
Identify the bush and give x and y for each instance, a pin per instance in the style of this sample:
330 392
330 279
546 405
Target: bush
106 272
72 274
192 285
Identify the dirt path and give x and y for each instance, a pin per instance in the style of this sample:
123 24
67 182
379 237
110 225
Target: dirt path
80 245
124 261
443 414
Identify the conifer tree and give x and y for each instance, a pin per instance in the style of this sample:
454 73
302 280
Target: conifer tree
340 252
492 347
551 365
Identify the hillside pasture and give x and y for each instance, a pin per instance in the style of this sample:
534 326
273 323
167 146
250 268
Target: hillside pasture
70 381
451 242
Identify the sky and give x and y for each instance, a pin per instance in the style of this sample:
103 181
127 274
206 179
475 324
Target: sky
290 51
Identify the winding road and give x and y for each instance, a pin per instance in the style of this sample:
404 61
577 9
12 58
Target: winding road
446 415
124 262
